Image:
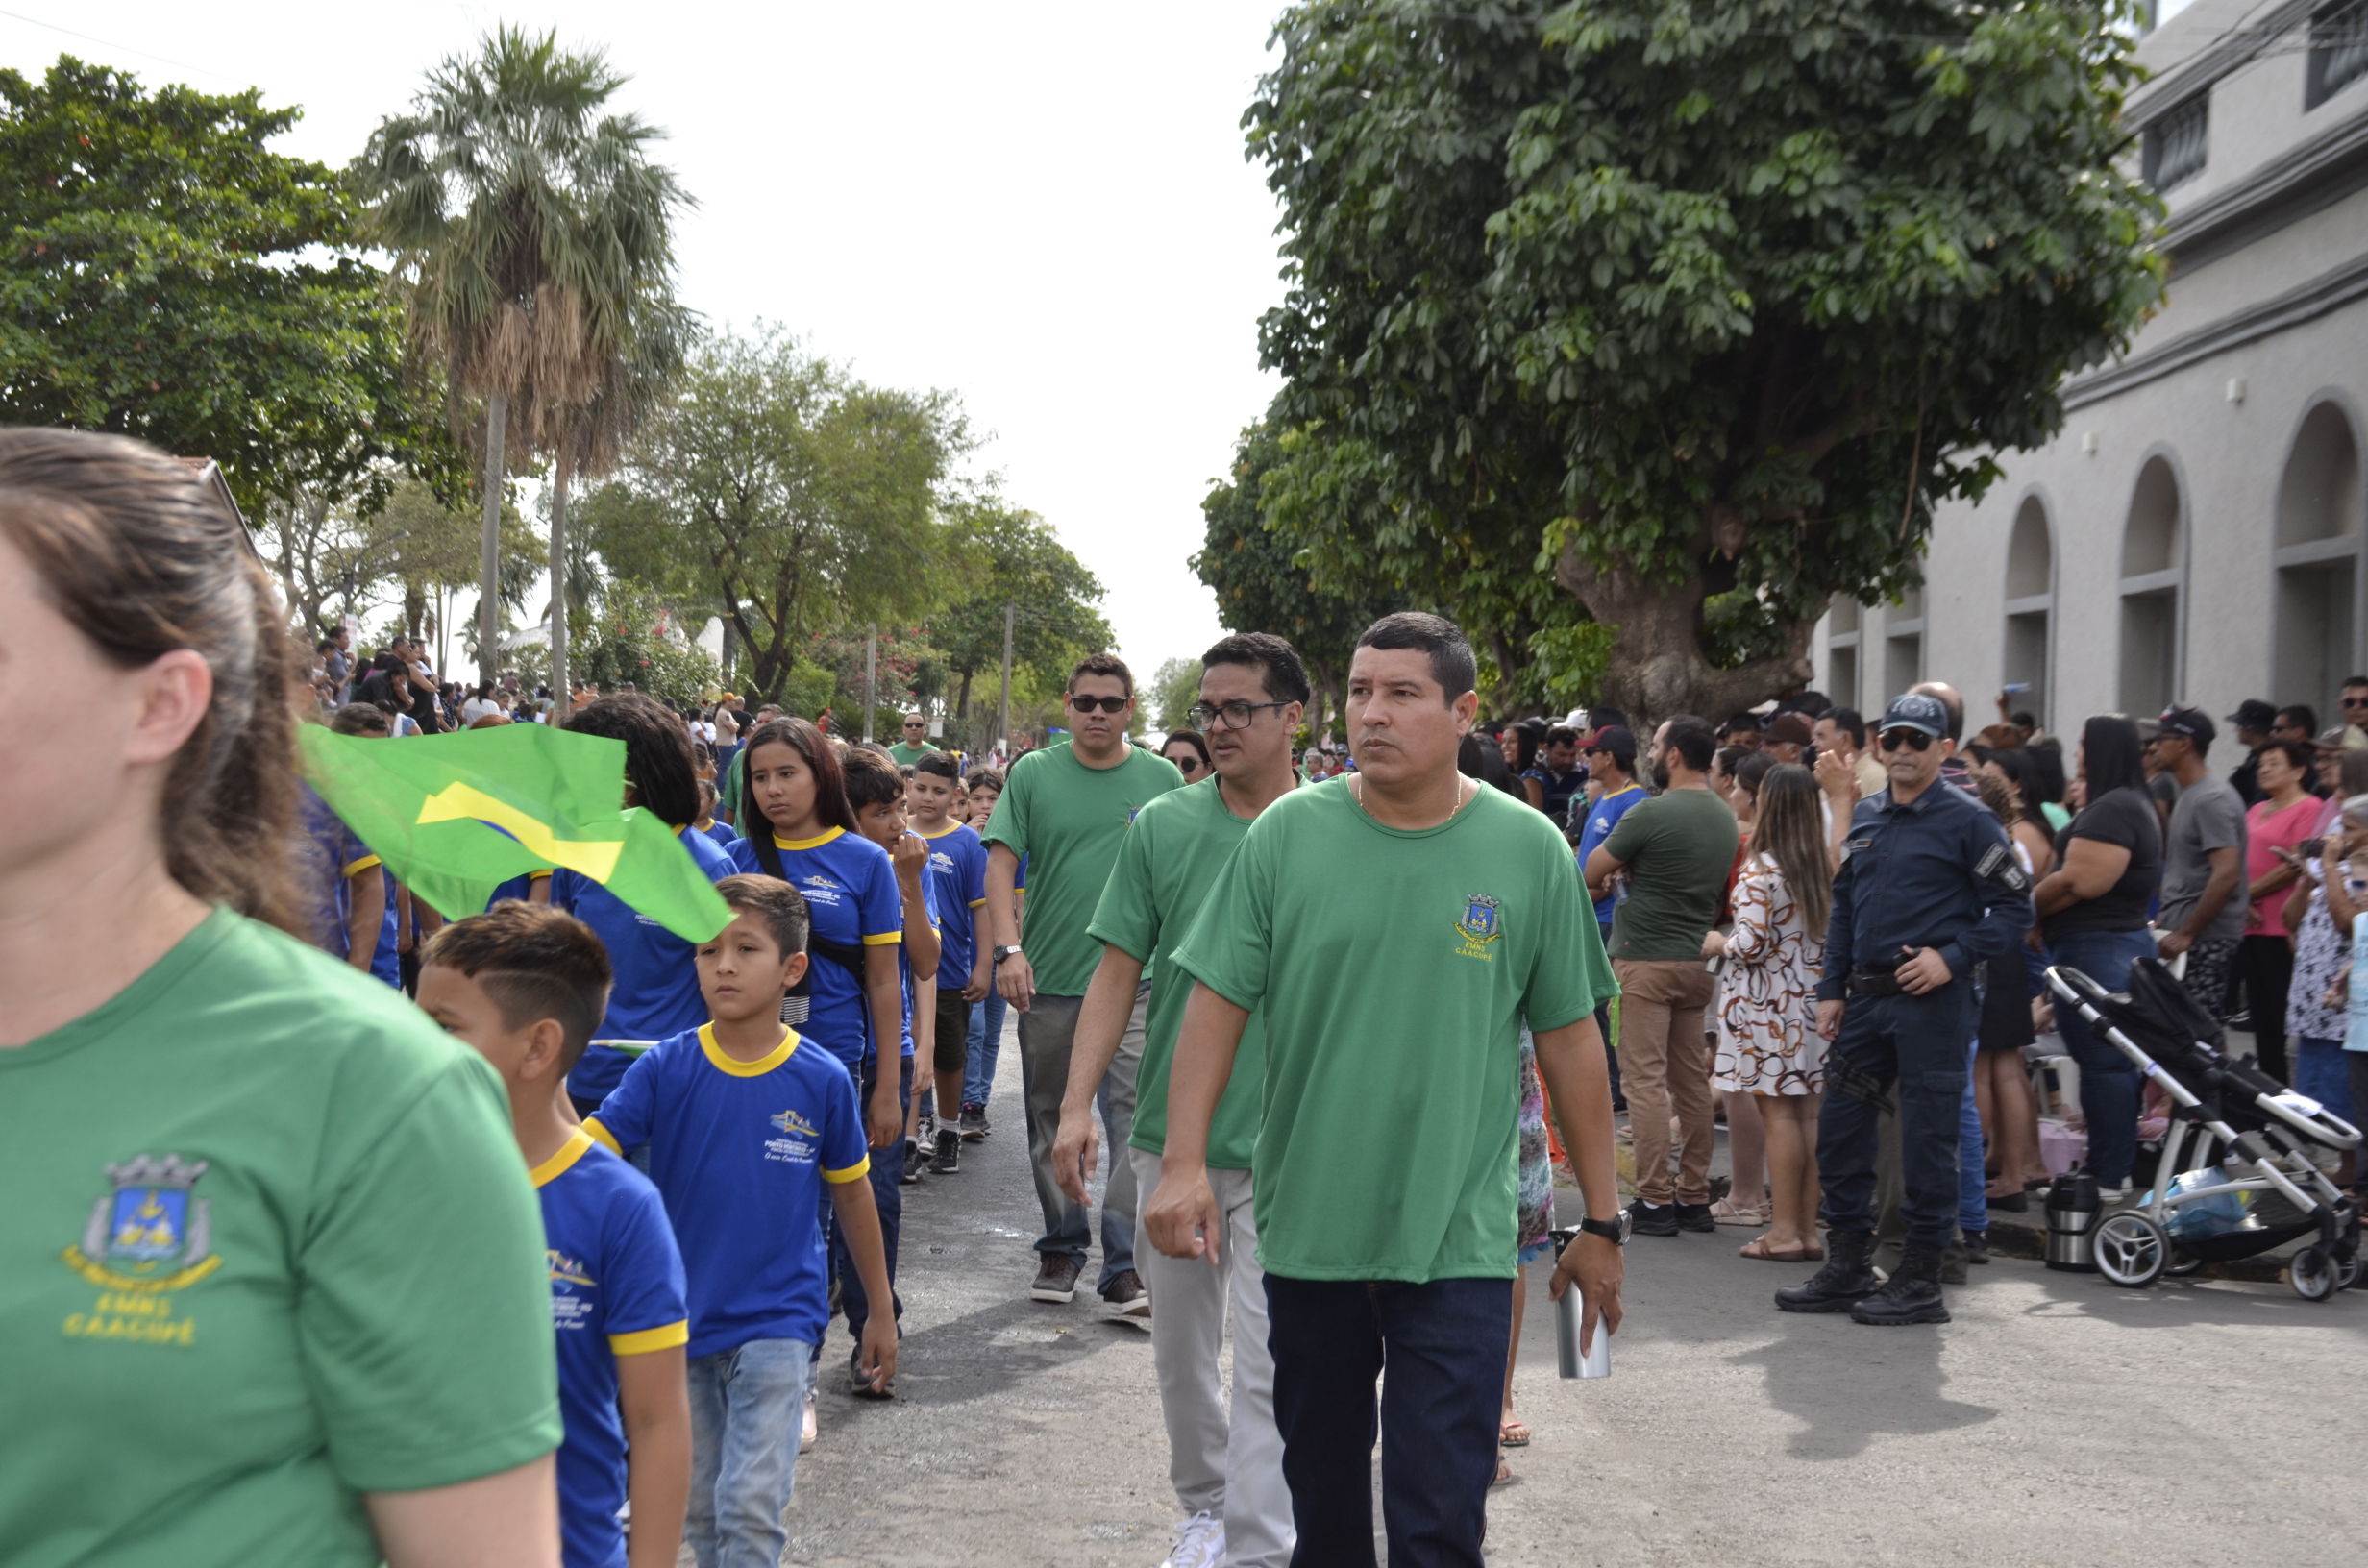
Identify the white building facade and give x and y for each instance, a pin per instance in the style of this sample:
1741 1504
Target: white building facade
2195 533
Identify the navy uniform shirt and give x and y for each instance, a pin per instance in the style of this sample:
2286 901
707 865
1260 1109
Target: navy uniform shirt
1936 872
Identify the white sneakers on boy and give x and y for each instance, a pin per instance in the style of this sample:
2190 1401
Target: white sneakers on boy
1199 1542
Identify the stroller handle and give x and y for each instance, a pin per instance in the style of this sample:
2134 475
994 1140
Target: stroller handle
2075 986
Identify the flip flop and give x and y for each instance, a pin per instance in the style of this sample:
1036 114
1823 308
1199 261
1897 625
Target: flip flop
1758 1247
1512 1434
1504 1473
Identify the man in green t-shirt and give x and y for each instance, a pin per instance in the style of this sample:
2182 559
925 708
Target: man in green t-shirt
915 744
1227 1473
1066 808
1394 927
1677 851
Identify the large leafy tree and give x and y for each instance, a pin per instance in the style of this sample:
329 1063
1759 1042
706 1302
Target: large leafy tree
164 274
1008 557
791 496
532 236
1690 308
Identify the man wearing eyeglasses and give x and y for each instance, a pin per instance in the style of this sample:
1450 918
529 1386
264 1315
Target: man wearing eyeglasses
915 744
1066 809
1930 890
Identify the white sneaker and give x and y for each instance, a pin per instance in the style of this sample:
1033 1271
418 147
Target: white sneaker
809 1428
1199 1542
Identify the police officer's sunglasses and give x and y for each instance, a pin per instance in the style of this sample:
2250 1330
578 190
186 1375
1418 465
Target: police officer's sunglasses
1914 740
1107 704
1228 715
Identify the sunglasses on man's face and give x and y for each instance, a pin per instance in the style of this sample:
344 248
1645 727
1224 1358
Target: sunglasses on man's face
1914 740
912 724
1106 705
2356 702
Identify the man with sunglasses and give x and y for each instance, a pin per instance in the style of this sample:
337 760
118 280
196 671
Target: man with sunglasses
1067 808
1930 890
915 744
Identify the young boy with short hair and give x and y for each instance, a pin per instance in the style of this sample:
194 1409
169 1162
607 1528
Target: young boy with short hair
985 1042
526 986
957 873
746 1131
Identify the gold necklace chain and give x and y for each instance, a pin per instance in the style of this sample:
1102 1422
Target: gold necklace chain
1356 793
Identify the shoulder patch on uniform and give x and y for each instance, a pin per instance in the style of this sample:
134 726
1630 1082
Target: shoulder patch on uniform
1999 867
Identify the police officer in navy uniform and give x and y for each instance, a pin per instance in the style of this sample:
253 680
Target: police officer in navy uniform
1929 889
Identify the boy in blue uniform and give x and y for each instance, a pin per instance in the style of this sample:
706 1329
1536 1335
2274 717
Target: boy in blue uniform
747 1128
958 875
525 985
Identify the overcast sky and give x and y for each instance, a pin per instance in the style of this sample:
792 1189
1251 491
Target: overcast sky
1043 207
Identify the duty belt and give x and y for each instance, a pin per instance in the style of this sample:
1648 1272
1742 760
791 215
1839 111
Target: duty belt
1874 982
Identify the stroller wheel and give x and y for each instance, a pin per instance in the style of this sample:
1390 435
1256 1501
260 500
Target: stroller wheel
2131 1249
2182 1262
2347 1271
2313 1273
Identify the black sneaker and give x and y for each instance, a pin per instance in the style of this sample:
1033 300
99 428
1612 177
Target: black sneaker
911 1175
860 1385
1056 1279
1912 1295
949 1157
974 1123
1127 1298
1652 1218
1696 1217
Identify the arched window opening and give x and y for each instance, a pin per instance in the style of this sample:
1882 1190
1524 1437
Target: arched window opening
2153 589
2030 603
2318 561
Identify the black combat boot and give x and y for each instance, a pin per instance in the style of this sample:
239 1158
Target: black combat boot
1912 1295
1847 1277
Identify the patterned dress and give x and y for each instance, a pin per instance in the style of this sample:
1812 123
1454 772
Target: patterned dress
1767 1010
2322 954
1536 1181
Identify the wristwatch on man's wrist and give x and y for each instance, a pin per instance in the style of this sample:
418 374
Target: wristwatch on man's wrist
1002 953
1614 1230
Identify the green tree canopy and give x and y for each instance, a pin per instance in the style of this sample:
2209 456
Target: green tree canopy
164 274
1007 556
1693 308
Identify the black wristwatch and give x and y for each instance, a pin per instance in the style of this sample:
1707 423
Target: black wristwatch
1002 953
1614 1230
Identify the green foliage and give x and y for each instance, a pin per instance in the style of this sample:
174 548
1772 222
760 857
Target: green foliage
1662 301
1568 663
1169 693
807 688
633 638
1006 556
164 275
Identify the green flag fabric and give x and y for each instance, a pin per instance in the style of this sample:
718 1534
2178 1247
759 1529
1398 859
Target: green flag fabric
455 816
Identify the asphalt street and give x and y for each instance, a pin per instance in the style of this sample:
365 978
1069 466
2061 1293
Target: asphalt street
2058 1420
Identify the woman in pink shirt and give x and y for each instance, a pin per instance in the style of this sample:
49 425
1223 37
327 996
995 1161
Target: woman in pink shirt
2288 814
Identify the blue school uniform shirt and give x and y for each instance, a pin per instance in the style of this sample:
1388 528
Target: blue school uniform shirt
655 992
904 963
723 833
616 1289
740 1152
341 856
849 887
1604 817
958 877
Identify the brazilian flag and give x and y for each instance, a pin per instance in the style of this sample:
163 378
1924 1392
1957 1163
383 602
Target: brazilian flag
455 816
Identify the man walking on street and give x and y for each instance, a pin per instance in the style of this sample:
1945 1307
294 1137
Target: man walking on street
1610 766
1227 1474
1394 927
1931 888
1676 849
2203 863
1066 809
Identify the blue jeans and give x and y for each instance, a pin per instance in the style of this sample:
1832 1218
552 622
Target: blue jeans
1972 1179
986 1043
2109 1079
746 1405
1918 1043
1603 1027
2321 1071
887 1174
1444 1345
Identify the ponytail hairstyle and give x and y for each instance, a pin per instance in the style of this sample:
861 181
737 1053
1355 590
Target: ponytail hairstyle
1788 834
140 557
830 806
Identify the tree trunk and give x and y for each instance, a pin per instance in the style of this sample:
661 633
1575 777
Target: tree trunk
489 561
1657 668
559 686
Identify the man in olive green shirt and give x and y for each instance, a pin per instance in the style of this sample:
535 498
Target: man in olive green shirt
1677 851
1227 1472
1066 808
915 744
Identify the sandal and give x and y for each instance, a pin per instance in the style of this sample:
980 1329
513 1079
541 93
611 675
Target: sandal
1504 1473
1725 1212
1758 1247
1512 1434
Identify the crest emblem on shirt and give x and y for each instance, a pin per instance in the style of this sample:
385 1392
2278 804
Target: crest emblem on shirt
151 1232
1479 922
789 1121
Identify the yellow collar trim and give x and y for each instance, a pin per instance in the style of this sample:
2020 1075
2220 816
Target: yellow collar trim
951 826
559 1164
737 1068
780 843
684 829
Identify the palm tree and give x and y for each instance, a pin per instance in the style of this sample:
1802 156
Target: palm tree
533 238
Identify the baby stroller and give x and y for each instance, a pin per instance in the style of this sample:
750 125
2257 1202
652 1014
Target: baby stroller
2245 1183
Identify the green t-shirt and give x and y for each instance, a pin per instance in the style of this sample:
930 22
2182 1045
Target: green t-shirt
266 1244
906 755
1166 864
1069 819
1679 848
1394 971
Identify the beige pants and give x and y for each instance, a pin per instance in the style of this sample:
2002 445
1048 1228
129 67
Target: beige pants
1662 1065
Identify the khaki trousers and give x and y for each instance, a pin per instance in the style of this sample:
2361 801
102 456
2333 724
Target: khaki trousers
1664 1065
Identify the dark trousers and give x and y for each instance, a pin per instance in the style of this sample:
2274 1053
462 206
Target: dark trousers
2266 968
888 1193
1917 1045
1603 1027
1444 1344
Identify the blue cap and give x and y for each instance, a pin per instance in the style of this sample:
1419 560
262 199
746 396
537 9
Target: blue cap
1913 710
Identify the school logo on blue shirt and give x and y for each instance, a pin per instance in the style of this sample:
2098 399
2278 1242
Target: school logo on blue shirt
802 1145
568 1276
150 1233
